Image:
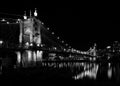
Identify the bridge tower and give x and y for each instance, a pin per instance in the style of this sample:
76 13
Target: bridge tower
93 51
30 35
30 32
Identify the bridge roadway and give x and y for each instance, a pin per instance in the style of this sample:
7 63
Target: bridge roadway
21 49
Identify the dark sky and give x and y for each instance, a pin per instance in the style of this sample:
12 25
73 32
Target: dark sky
79 28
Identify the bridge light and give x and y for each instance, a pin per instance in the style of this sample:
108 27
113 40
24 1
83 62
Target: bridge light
55 48
42 23
41 45
18 20
31 44
64 49
1 41
108 47
7 22
66 44
53 33
25 17
27 44
3 20
38 45
62 41
35 13
58 37
48 28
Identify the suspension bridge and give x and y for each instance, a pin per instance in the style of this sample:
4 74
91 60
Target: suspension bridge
30 34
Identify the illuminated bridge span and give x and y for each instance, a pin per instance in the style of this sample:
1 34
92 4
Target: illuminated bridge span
47 50
31 36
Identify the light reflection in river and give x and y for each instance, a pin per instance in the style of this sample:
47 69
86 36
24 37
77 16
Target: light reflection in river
28 57
78 70
109 73
89 70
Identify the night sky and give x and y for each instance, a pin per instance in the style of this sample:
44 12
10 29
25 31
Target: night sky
77 27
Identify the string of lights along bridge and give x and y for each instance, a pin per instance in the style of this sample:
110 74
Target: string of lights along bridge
33 31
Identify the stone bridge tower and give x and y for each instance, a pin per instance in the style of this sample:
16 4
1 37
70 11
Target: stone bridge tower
30 32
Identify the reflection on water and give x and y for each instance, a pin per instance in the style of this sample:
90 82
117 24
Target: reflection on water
78 70
28 57
109 73
89 70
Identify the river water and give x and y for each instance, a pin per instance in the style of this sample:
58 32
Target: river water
105 72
